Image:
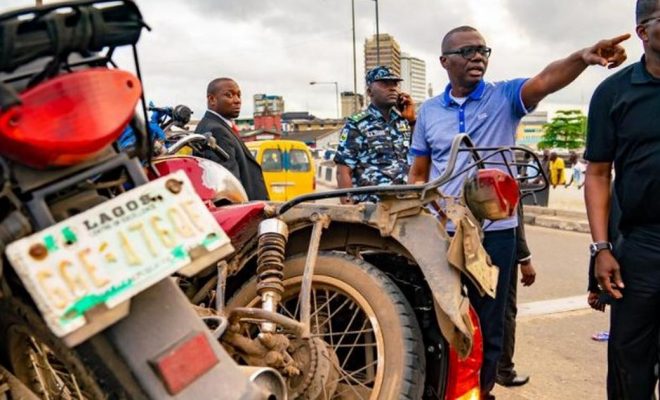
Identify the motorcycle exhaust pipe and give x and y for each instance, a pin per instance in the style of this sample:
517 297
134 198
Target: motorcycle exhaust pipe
268 380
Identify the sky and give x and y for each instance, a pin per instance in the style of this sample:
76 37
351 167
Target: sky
279 46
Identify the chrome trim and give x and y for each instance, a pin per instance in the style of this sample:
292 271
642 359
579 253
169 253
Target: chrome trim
274 225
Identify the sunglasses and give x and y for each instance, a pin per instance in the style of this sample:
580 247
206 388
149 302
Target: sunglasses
469 52
649 21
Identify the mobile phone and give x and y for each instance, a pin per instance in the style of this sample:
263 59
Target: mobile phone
604 298
399 102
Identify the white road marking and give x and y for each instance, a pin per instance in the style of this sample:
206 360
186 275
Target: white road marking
553 306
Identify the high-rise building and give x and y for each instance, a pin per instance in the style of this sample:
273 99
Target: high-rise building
351 103
265 104
413 73
390 53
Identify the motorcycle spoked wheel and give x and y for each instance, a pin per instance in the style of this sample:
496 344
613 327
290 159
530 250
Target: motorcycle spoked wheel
39 359
363 317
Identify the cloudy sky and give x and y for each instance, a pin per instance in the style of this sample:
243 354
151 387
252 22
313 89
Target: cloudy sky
279 46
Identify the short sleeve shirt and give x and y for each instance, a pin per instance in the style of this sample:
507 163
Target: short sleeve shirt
489 116
374 149
624 128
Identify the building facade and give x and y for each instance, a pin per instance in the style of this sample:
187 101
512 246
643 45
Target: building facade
265 104
413 73
390 53
351 103
268 111
530 129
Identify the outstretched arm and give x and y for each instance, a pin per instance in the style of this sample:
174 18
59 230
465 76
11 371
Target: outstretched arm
560 73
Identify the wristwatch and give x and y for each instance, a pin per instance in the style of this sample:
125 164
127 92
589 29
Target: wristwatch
597 247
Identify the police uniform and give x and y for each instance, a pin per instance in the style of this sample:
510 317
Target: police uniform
374 149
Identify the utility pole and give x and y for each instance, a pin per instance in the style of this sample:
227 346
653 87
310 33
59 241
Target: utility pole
377 36
355 98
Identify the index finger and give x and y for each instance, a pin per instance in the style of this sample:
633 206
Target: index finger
616 40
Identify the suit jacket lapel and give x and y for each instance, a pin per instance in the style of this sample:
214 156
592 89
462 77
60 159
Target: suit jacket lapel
230 132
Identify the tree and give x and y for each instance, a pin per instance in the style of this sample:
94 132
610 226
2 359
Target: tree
567 130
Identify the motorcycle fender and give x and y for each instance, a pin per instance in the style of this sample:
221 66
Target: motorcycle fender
424 239
420 235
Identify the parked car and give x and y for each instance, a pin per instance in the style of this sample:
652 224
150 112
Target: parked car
288 167
329 154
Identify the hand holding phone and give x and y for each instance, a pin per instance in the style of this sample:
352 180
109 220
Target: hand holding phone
406 106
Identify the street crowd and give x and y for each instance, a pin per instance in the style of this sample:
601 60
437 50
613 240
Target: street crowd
390 143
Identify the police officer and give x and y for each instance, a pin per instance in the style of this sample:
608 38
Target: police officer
373 146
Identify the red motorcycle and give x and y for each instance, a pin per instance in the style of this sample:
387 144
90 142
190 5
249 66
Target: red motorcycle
352 301
88 244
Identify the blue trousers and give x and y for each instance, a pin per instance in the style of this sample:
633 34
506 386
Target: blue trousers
501 246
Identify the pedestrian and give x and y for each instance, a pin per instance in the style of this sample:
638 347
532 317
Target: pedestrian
223 99
579 171
572 161
489 113
506 372
556 166
545 166
578 167
623 130
373 146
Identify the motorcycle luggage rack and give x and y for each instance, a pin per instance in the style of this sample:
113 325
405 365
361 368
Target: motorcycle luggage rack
62 36
421 190
91 25
38 206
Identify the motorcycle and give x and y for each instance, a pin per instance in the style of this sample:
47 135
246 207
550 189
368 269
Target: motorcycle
352 301
88 244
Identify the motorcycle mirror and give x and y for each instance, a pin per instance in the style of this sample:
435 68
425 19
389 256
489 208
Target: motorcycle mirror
181 115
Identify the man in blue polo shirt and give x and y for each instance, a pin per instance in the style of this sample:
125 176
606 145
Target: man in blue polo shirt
489 113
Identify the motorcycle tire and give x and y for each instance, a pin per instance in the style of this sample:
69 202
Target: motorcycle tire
39 359
399 342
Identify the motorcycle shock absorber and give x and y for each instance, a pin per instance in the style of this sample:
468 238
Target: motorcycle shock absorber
273 234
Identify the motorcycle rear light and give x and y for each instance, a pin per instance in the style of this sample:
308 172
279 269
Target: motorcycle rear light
186 361
492 194
70 118
463 379
474 394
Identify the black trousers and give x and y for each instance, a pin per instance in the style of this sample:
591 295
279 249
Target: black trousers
635 319
501 246
506 365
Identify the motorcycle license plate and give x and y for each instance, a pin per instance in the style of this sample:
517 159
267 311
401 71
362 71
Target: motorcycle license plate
115 250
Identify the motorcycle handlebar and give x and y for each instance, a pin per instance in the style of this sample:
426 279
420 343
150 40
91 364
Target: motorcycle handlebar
184 141
195 138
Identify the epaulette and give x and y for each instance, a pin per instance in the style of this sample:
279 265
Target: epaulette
359 116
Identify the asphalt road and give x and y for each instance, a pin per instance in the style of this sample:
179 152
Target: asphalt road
561 261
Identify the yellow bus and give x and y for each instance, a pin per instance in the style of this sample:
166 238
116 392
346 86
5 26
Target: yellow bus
287 165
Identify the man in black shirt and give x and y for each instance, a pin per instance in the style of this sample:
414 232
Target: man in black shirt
624 129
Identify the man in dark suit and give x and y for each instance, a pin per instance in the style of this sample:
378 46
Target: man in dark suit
223 99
